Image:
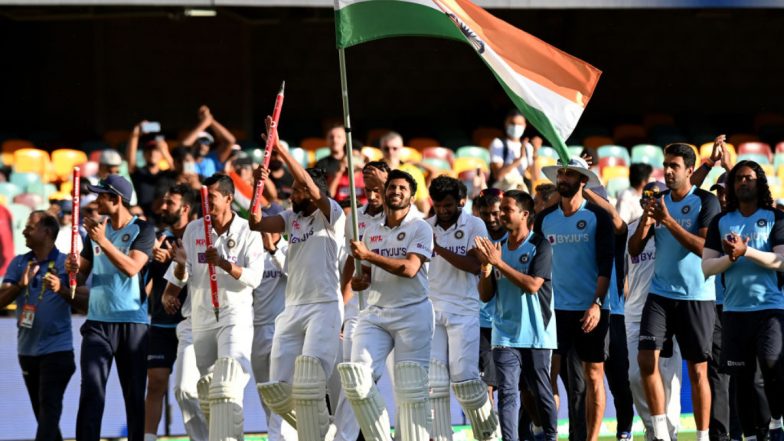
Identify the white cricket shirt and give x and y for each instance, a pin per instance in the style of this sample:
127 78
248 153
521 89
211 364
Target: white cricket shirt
413 235
270 295
639 273
453 290
313 261
364 221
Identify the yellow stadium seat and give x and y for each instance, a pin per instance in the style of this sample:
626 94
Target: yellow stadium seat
614 171
419 177
768 169
544 161
31 160
464 164
407 154
313 143
64 160
10 145
707 148
422 143
372 153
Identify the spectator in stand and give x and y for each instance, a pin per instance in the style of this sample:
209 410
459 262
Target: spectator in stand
109 163
211 153
6 239
185 168
391 146
151 180
629 200
336 166
513 158
38 282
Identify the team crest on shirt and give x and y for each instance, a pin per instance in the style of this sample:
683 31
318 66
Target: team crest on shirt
459 234
126 237
581 225
686 209
524 258
401 236
231 243
97 250
761 223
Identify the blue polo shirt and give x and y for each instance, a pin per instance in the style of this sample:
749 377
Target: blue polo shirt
115 297
583 245
51 331
748 286
487 310
615 293
524 319
677 271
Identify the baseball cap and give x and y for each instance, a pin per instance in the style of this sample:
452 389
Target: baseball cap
110 157
114 184
720 183
204 138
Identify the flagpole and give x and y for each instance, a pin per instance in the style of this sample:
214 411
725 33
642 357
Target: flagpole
350 154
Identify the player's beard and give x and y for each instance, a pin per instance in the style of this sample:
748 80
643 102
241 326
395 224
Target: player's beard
568 191
746 194
170 218
300 207
404 203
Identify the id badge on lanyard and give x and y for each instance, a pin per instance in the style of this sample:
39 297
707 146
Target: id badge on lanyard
27 318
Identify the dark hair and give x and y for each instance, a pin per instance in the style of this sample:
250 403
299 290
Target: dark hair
49 222
524 200
319 176
764 198
487 198
444 186
400 174
187 195
514 113
225 184
684 151
639 173
546 190
381 165
179 154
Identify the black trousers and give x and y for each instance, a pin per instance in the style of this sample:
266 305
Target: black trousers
616 369
719 428
573 377
46 377
102 343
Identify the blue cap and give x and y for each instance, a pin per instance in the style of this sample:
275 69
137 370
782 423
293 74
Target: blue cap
114 184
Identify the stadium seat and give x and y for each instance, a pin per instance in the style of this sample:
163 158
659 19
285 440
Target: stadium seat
616 151
707 148
42 189
756 157
23 180
419 177
712 177
472 151
575 150
322 152
617 185
648 154
10 190
768 169
740 138
629 134
614 171
421 143
755 147
372 153
778 160
407 154
485 134
19 215
439 153
116 138
544 161
594 142
31 200
64 160
31 160
11 145
301 155
658 174
547 152
610 161
438 163
6 159
466 163
313 144
89 169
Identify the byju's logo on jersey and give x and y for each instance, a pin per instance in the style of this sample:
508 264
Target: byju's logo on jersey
555 239
581 225
761 223
686 209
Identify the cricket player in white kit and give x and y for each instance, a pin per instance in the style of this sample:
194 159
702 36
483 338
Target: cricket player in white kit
367 215
399 315
268 301
453 284
307 332
222 345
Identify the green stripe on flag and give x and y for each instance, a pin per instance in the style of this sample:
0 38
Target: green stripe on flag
372 20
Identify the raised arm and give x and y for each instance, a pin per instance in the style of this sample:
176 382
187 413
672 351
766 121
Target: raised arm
205 121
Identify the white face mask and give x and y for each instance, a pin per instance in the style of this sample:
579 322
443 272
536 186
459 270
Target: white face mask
189 168
515 131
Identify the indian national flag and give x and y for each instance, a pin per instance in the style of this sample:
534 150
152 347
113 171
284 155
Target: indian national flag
550 87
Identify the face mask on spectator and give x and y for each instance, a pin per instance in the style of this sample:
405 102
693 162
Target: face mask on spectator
189 168
515 130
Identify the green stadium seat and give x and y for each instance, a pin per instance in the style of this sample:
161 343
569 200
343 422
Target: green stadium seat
648 154
575 150
616 151
756 157
300 155
617 185
9 190
438 163
322 152
548 152
19 215
472 151
23 180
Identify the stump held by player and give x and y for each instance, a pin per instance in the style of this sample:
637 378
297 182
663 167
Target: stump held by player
205 209
77 174
271 137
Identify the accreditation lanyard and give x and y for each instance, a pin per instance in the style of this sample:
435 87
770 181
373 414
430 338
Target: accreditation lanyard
28 310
